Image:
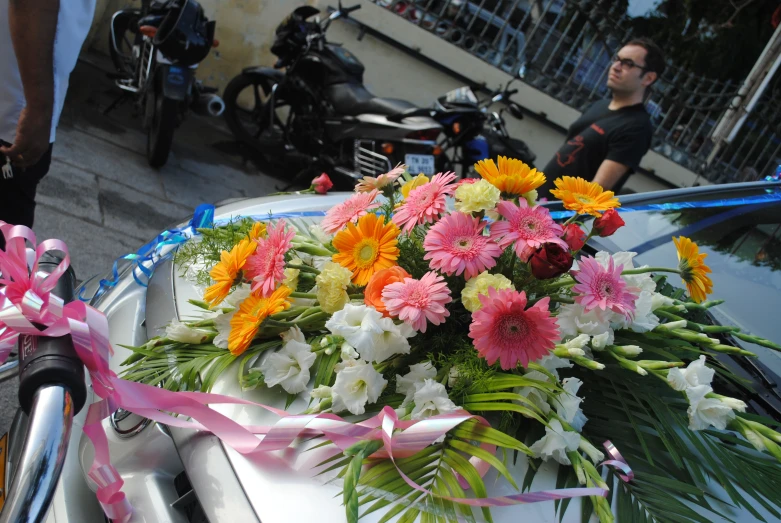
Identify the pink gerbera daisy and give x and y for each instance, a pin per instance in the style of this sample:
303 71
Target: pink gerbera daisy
456 244
266 267
502 330
368 183
603 288
349 211
418 302
527 227
425 203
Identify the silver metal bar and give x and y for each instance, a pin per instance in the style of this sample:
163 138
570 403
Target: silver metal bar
572 49
769 164
539 21
507 21
562 39
43 455
767 146
706 117
548 34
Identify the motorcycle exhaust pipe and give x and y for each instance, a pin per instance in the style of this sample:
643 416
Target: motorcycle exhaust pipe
209 105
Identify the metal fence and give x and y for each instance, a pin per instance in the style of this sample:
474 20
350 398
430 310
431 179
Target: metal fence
564 48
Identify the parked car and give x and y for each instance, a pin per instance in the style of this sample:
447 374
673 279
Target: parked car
180 475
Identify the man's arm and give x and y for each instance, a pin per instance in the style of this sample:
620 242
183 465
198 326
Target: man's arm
609 173
33 25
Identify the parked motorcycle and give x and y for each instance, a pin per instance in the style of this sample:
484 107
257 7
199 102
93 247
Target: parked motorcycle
156 50
318 115
473 133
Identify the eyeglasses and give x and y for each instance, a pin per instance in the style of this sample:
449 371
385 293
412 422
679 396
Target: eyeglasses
628 63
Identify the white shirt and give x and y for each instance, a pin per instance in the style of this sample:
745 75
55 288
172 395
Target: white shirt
73 24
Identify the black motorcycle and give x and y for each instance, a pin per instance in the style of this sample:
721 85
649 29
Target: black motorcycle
473 133
317 116
156 50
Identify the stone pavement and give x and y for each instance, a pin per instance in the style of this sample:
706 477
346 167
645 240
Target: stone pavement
102 198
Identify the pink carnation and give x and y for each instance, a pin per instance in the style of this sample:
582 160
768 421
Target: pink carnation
527 227
424 204
266 267
502 330
456 244
603 288
418 302
349 211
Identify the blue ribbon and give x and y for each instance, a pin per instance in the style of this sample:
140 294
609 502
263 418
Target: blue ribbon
150 252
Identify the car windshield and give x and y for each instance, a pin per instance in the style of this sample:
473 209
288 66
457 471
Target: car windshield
743 244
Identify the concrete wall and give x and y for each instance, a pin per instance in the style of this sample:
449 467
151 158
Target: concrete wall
245 29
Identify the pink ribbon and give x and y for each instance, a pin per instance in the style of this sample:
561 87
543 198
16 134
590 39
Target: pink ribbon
618 462
27 298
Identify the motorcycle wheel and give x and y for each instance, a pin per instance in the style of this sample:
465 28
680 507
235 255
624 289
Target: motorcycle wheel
247 115
162 123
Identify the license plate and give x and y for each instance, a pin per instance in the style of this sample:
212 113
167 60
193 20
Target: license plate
3 455
420 163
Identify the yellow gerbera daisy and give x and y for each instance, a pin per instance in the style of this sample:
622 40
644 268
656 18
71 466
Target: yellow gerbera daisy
228 271
369 247
512 177
252 311
414 183
694 272
258 231
584 197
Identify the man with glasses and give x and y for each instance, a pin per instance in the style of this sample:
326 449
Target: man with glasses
611 137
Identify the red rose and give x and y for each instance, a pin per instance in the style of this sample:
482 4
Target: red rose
574 236
550 261
322 184
608 223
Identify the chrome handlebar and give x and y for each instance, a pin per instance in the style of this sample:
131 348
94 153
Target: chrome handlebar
42 458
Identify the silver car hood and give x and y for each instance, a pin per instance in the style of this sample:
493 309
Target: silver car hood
231 486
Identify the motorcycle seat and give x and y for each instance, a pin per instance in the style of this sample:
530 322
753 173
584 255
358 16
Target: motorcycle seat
355 99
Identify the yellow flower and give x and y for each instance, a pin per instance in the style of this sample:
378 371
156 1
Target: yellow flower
258 231
332 285
228 271
252 311
477 197
512 177
693 269
470 296
414 183
584 197
369 247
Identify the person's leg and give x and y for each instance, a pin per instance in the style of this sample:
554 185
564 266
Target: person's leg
17 194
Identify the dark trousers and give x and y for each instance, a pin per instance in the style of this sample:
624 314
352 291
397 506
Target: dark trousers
17 195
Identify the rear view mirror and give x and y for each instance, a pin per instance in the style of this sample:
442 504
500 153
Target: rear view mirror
516 110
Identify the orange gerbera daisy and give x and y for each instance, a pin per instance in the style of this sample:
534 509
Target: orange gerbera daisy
258 231
228 271
512 177
584 197
252 311
369 247
694 272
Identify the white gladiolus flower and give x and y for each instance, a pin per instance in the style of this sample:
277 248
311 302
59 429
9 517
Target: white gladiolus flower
578 342
552 363
695 374
574 320
631 350
537 396
374 337
348 352
431 399
644 320
704 412
289 367
600 341
568 404
417 374
321 392
556 443
357 383
659 300
594 455
183 333
320 235
734 403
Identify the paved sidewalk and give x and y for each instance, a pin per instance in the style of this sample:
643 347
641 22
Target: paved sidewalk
102 198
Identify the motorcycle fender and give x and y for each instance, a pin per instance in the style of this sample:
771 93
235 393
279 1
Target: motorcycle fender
477 149
265 72
176 81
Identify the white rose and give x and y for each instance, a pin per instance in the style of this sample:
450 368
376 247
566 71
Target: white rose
696 373
357 383
417 374
431 399
289 367
556 443
183 333
704 412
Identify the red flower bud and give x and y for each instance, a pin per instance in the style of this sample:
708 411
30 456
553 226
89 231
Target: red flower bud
550 261
574 236
322 184
608 223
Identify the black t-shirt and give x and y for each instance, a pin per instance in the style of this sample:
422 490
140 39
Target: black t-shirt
623 135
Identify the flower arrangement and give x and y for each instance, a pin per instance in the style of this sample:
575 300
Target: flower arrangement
398 298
